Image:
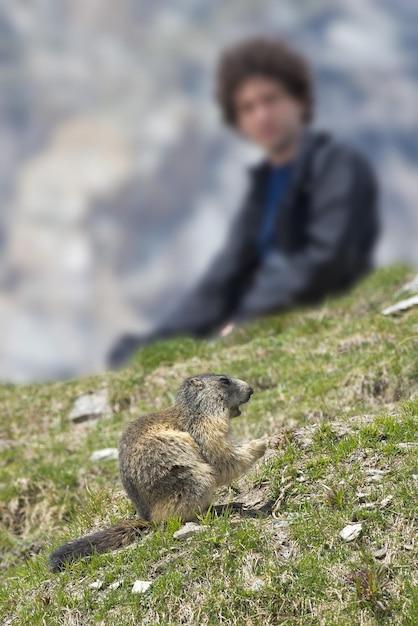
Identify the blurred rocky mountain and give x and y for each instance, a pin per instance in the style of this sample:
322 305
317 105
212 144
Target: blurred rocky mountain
117 180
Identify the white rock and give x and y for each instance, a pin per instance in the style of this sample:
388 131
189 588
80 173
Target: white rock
187 531
411 286
97 584
385 502
104 455
408 445
362 495
351 532
141 586
403 305
92 405
116 584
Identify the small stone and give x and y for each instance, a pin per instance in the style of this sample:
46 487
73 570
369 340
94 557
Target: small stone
97 584
408 445
141 586
116 584
104 455
351 532
187 531
380 554
362 496
385 502
403 305
91 406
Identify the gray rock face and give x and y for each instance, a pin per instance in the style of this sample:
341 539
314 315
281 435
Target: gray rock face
91 406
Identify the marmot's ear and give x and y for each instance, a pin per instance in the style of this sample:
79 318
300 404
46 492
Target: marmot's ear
197 382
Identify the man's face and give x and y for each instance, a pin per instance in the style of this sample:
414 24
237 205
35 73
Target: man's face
267 114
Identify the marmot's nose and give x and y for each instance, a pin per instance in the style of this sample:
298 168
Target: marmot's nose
251 391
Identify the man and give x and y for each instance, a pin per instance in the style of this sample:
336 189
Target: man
309 222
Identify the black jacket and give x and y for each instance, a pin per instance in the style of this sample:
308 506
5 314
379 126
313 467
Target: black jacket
326 229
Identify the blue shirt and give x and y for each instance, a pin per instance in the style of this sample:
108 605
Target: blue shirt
278 181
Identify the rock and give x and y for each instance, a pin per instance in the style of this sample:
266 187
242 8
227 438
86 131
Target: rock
411 286
408 445
385 502
380 554
116 584
403 305
351 532
362 496
141 586
104 455
187 531
97 584
91 406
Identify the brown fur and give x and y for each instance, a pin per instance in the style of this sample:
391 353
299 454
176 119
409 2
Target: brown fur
172 462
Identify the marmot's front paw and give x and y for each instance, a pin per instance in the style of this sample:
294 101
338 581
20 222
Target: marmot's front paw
259 447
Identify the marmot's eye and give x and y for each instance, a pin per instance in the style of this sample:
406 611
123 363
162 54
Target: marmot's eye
225 381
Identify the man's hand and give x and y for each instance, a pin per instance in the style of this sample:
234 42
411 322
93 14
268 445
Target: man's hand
227 329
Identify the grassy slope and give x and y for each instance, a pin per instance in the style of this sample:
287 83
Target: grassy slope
343 366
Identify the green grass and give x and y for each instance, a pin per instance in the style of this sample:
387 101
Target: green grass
336 393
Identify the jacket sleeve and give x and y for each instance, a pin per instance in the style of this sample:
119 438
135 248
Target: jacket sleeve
338 213
213 299
206 306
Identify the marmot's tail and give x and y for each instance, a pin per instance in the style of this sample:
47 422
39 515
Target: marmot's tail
116 536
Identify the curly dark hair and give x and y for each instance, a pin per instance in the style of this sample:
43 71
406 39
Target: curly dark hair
262 56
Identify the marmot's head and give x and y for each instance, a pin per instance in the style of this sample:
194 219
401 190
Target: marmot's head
208 394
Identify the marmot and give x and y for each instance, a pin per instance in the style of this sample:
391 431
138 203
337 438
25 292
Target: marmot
172 462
